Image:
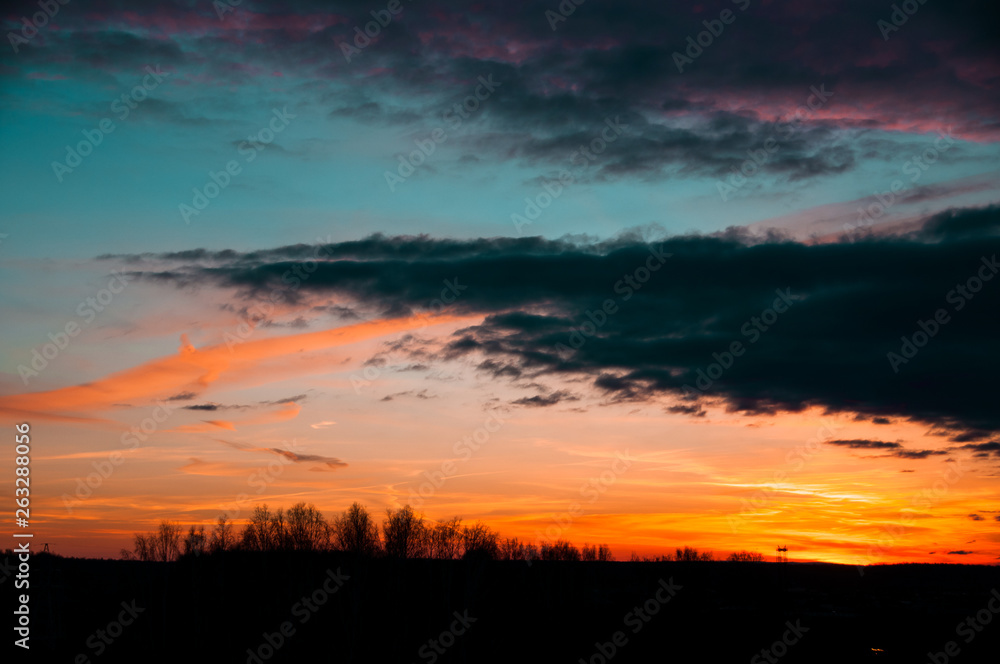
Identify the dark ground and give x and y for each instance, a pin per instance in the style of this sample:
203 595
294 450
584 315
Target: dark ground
215 608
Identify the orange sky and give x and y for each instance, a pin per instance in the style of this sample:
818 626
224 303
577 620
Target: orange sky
630 475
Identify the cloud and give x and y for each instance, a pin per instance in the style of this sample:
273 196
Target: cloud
325 424
960 553
864 444
895 449
329 463
558 87
206 426
422 394
202 367
917 454
542 400
539 303
984 450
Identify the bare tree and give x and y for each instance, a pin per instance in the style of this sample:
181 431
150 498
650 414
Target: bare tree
257 534
142 547
559 550
446 539
307 529
746 557
356 532
194 541
690 554
166 542
480 541
222 535
513 549
278 529
404 533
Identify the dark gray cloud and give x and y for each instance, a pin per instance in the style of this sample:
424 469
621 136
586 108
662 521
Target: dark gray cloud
204 406
541 400
984 450
864 444
846 307
559 86
893 449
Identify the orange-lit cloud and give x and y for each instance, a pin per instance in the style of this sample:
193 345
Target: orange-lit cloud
192 369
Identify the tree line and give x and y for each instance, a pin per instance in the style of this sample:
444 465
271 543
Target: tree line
402 534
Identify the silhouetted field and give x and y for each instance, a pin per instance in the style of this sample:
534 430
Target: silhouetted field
217 607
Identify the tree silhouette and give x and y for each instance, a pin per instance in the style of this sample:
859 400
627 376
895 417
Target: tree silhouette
222 535
600 552
446 540
195 541
746 557
356 532
559 550
306 528
404 533
162 545
690 554
257 534
514 549
480 541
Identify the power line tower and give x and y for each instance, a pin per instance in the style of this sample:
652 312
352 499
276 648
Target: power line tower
782 556
46 549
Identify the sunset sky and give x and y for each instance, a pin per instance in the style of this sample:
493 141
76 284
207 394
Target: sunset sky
636 274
